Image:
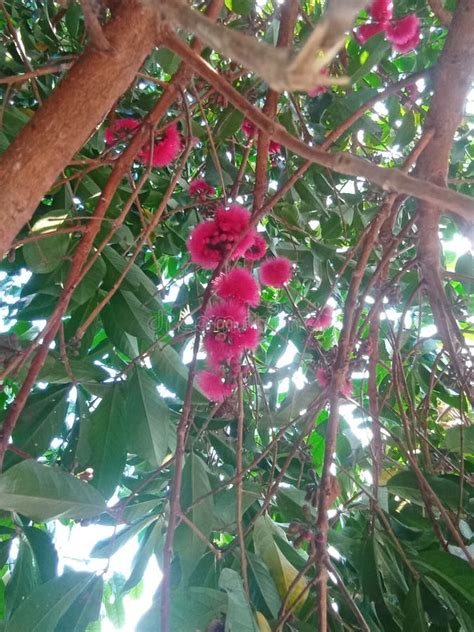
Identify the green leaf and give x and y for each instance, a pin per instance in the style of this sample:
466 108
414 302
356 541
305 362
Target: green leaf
239 615
415 620
405 484
43 493
54 371
41 420
135 280
24 580
454 442
452 573
118 337
5 546
191 609
282 572
407 130
171 371
43 609
132 315
465 267
90 283
241 7
230 122
147 546
167 60
44 552
102 442
378 47
109 546
261 575
195 483
47 253
84 610
148 417
291 408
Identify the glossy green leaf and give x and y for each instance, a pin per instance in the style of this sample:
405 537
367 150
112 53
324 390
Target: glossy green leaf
43 609
85 609
148 423
239 615
44 492
102 442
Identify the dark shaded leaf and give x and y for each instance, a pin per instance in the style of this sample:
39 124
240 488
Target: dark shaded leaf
42 493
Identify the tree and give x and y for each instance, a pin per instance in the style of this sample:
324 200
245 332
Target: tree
236 321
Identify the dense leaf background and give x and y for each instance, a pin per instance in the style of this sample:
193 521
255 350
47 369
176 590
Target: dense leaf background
98 438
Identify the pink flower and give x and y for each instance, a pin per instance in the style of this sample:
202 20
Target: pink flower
323 377
381 10
210 241
275 272
248 128
317 90
366 31
226 316
120 130
227 336
257 249
322 321
274 148
238 285
213 386
233 220
165 150
204 250
405 33
200 189
248 338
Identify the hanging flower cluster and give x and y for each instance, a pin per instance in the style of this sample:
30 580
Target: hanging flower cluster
229 332
404 34
210 241
201 190
322 321
161 153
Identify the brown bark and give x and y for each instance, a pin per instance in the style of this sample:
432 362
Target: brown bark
62 125
452 81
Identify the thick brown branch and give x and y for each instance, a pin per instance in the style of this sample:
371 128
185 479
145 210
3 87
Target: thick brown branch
452 81
62 125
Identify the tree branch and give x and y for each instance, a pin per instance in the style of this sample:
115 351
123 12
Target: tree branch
66 120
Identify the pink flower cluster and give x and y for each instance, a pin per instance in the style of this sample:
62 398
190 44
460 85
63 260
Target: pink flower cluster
212 240
404 34
161 153
228 330
322 321
201 190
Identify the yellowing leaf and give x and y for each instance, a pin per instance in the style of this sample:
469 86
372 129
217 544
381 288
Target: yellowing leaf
262 623
387 474
282 572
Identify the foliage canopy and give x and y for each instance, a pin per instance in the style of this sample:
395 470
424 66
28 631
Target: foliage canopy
335 468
